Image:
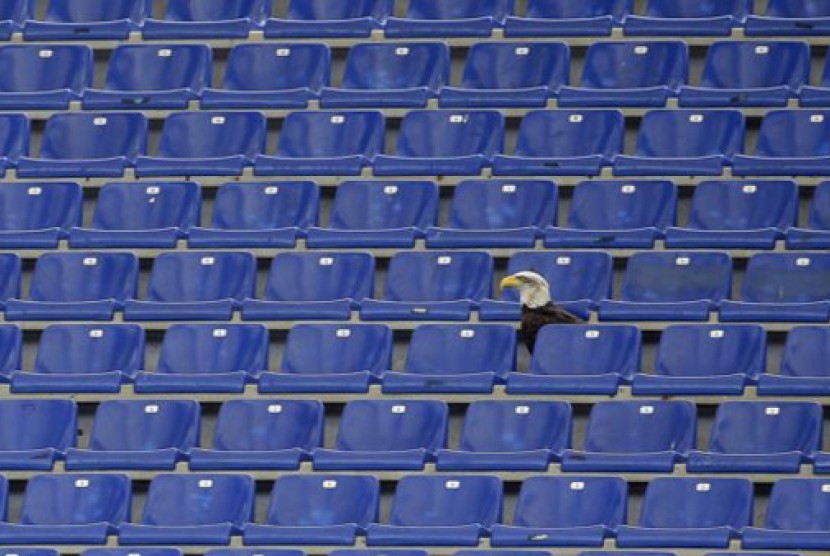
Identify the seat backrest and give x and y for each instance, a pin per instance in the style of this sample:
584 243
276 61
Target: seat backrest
17 10
587 350
85 11
213 134
148 67
560 9
494 65
338 348
711 350
787 278
507 426
324 500
683 503
460 9
331 134
75 499
381 425
10 271
90 348
627 65
460 349
503 204
623 205
30 206
567 133
264 206
565 502
142 551
820 208
444 133
339 9
195 276
799 505
696 9
794 133
197 10
199 499
276 67
807 352
14 136
751 64
147 206
439 500
572 275
80 136
128 425
744 205
690 133
84 277
377 205
397 66
679 276
214 348
798 8
766 428
265 424
321 276
36 424
439 276
47 68
641 426
11 349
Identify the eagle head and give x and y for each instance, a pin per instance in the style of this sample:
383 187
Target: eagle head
534 290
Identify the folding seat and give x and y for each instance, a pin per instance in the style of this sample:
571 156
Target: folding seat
688 18
798 516
442 142
815 235
580 359
38 215
568 18
53 76
681 285
382 552
564 143
509 436
77 286
818 95
70 509
629 74
565 511
315 285
87 145
196 19
635 436
509 74
790 143
12 15
791 17
322 143
390 75
133 434
271 76
497 213
192 508
386 435
684 142
35 433
207 358
14 140
738 214
661 553
262 434
195 286
89 358
88 20
206 143
317 509
488 552
153 76
694 513
11 350
11 272
259 552
42 552
148 551
132 214
804 365
459 18
445 510
760 437
329 19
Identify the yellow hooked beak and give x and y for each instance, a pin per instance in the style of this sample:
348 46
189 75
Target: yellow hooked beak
510 282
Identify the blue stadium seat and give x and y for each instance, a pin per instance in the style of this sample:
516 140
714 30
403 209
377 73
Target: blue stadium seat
196 19
87 145
804 367
147 551
580 359
262 434
815 235
12 15
497 213
145 76
564 143
442 142
206 143
798 516
324 144
331 358
790 143
314 286
691 513
620 214
565 511
817 95
77 286
791 17
88 20
510 74
268 76
681 285
133 434
688 18
10 277
738 214
90 358
207 358
568 18
35 433
388 435
14 140
635 436
760 437
509 436
390 75
330 19
629 74
38 215
11 350
459 18
192 508
684 142
455 358
195 286
317 509
443 510
383 552
661 553
70 509
141 215
53 76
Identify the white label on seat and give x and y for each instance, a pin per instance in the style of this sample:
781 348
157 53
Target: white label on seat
329 484
275 408
682 261
816 118
628 189
640 49
420 310
34 191
283 52
802 261
398 409
575 118
522 410
45 53
716 333
522 51
563 261
164 53
326 261
458 118
772 411
217 120
647 410
205 483
592 334
508 188
825 488
81 483
467 333
99 121
90 261
452 485
390 189
577 485
220 333
444 261
96 333
151 409
402 51
272 190
696 118
749 189
153 190
703 487
208 261
343 333
762 49
337 120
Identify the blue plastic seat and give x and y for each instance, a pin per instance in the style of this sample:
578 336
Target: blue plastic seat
262 434
459 18
442 510
133 434
630 74
38 215
14 140
195 286
322 143
390 75
738 214
53 76
690 513
317 509
87 145
130 214
509 436
192 508
804 366
797 517
564 143
760 437
149 76
196 19
206 143
11 350
383 552
11 271
688 18
817 95
442 142
88 20
12 15
565 511
269 76
635 436
497 213
817 233
329 19
790 143
35 433
684 142
510 74
791 17
386 435
70 509
146 551
568 18
90 358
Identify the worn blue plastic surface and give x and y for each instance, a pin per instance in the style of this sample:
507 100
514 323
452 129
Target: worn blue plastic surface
12 15
327 19
568 18
11 346
817 233
797 517
34 433
790 17
804 367
88 20
53 76
460 18
790 143
195 19
688 18
38 215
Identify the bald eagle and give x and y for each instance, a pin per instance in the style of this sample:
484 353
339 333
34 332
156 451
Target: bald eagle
537 308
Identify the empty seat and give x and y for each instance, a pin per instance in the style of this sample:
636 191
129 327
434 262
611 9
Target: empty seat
10 277
11 350
38 215
325 19
35 433
12 15
790 143
635 436
790 17
195 19
797 517
14 140
382 552
568 18
148 551
804 367
688 18
460 18
88 20
38 77
817 95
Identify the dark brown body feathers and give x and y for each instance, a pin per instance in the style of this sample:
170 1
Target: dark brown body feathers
534 319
